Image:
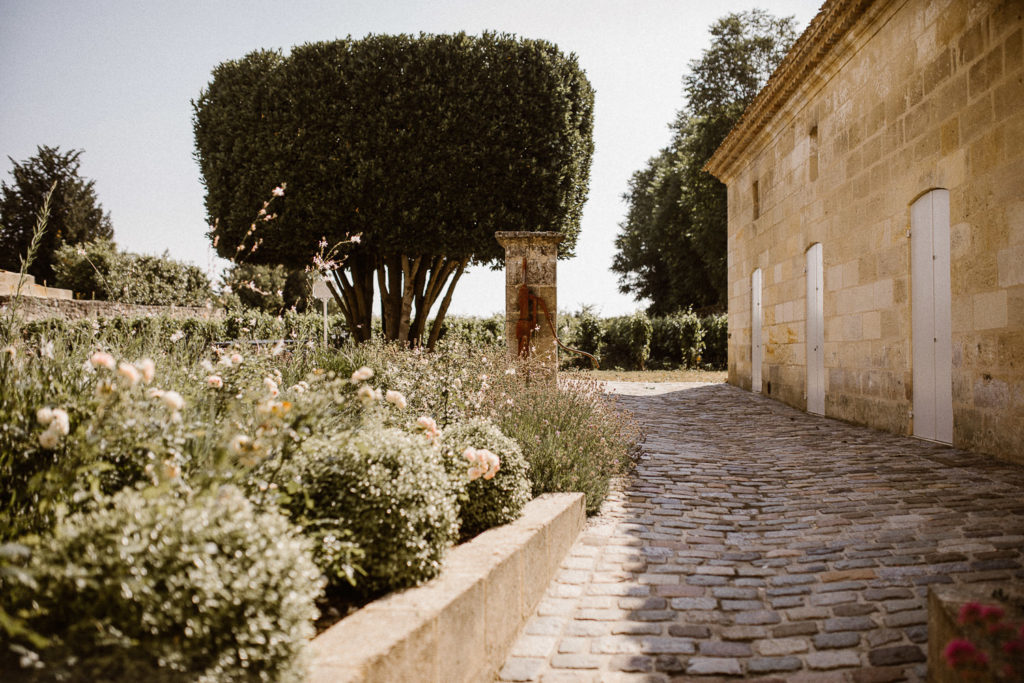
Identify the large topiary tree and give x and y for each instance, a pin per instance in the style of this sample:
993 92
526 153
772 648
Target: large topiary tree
423 146
75 212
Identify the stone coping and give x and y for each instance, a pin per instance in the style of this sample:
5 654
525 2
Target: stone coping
461 625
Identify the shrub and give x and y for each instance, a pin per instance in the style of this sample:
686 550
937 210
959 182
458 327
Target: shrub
98 268
487 503
160 587
389 489
716 354
573 438
640 338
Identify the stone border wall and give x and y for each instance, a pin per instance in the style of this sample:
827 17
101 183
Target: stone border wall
460 626
36 308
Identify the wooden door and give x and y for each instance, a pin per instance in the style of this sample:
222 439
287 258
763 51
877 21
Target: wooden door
931 319
756 352
815 331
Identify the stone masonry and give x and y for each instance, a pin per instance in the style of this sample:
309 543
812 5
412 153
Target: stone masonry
758 541
877 104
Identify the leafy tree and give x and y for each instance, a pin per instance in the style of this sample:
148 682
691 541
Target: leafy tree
75 213
672 243
423 146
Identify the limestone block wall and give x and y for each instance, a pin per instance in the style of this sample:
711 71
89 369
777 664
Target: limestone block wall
914 95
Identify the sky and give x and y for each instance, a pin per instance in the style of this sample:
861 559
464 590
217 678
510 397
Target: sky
116 79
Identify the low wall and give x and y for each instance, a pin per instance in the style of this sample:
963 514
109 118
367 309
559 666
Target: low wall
35 308
460 626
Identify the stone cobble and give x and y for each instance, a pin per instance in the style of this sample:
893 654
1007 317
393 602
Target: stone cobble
757 541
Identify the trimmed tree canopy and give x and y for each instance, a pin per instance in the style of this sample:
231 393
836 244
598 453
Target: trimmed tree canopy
424 146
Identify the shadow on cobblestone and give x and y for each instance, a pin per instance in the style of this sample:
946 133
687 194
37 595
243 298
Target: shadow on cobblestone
758 541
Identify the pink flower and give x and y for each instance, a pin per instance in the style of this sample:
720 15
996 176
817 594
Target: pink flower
396 398
961 653
428 426
355 239
102 359
278 191
215 381
362 374
148 369
969 613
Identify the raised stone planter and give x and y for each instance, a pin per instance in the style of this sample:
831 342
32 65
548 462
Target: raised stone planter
460 625
944 603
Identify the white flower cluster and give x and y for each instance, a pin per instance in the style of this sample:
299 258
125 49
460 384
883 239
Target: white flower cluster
57 425
429 427
482 463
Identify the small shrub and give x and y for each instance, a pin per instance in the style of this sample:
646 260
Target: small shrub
573 438
389 490
716 354
163 588
487 503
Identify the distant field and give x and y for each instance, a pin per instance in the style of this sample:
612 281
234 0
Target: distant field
649 375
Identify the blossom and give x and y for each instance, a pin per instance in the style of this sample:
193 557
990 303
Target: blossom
178 334
240 443
483 463
60 423
49 439
396 398
271 386
279 190
215 381
362 374
355 239
102 359
155 393
148 369
208 366
236 358
428 426
173 400
963 653
969 613
129 373
368 395
172 470
44 416
299 387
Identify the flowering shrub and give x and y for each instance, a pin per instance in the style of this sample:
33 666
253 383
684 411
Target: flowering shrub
491 473
574 438
993 648
389 490
180 588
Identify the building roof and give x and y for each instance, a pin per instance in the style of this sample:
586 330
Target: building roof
833 21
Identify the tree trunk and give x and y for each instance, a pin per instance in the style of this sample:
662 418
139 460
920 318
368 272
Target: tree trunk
435 330
352 289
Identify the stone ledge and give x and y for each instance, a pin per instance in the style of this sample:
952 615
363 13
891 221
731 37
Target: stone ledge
460 625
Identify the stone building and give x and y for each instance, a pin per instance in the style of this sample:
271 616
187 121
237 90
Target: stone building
876 222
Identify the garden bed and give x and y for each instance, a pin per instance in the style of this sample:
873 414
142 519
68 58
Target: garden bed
460 625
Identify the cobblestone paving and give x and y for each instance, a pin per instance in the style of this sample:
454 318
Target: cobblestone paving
758 541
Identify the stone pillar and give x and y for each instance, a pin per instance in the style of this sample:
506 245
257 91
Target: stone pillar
540 251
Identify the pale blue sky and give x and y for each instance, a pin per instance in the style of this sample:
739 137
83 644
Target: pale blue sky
115 78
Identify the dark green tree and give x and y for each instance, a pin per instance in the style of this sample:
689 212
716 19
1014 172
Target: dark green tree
423 146
672 243
75 213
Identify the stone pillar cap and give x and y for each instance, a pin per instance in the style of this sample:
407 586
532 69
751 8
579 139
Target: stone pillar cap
509 237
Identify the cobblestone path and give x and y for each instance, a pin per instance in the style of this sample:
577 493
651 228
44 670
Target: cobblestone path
758 541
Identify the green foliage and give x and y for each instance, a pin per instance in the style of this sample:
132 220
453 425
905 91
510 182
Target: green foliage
75 214
682 339
424 146
169 588
269 288
474 331
573 438
639 329
96 269
486 503
672 243
390 491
